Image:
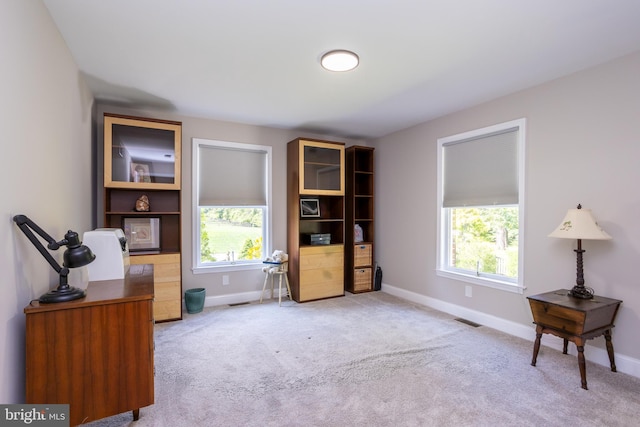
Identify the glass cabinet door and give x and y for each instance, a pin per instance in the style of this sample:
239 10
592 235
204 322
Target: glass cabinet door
321 168
141 153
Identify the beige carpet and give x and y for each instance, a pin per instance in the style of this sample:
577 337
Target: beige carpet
367 360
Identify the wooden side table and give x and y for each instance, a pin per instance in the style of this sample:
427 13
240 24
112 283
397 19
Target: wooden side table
575 320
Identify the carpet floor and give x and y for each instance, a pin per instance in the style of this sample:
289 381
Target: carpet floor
367 360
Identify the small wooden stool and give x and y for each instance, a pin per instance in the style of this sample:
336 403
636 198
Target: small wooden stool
276 269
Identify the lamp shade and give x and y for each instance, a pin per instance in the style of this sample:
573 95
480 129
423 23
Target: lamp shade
579 224
77 254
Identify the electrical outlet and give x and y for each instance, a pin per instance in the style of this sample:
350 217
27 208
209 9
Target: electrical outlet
225 280
467 291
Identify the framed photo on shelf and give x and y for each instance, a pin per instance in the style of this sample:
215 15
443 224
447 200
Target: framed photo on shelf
309 208
140 172
143 234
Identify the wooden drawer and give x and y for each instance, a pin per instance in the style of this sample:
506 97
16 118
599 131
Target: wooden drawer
165 291
362 254
314 257
557 317
321 272
362 279
167 310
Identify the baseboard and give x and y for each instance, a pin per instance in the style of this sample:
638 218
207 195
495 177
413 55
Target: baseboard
626 364
238 298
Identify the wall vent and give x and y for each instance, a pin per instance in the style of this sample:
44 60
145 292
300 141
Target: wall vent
238 303
468 322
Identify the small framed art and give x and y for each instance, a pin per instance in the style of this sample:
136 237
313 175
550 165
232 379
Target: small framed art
309 208
143 234
140 172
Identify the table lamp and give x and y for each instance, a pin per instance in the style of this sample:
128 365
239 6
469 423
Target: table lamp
76 255
580 224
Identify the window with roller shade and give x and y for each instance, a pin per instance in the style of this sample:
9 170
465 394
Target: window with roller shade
232 192
480 199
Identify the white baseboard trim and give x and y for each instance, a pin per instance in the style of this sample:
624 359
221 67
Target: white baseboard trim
624 363
238 298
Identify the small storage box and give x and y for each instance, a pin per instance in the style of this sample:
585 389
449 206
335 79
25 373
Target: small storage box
319 239
362 255
362 279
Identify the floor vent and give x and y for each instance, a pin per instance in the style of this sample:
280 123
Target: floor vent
238 303
468 322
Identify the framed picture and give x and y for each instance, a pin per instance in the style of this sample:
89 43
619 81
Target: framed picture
309 208
140 172
143 234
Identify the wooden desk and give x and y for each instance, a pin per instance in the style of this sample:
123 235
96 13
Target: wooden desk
94 353
575 320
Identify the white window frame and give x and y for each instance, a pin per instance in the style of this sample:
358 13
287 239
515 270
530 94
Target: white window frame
221 267
491 281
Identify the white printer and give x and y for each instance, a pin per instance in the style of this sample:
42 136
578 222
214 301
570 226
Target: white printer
112 253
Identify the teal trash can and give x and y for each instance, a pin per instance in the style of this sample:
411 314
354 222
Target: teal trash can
194 300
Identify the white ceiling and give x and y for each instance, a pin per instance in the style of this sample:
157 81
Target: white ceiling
257 61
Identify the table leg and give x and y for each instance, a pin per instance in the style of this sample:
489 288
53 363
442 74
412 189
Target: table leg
264 286
564 346
607 338
582 366
136 414
536 345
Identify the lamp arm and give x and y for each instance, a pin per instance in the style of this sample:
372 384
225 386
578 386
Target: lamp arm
26 225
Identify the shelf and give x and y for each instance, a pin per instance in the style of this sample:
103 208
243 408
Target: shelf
133 169
359 203
315 171
136 213
333 166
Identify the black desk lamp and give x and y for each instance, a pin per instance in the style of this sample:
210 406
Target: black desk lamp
77 255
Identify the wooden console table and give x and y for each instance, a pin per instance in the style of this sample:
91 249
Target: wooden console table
575 320
95 353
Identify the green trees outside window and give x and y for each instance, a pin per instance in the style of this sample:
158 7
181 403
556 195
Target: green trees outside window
484 240
231 234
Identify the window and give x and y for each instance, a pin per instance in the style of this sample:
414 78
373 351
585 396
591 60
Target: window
480 199
232 190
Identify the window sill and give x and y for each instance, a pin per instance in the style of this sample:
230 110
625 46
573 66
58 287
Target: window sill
227 268
482 281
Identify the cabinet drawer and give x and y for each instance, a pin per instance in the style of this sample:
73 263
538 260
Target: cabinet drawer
556 317
321 257
167 291
321 283
166 268
362 279
362 254
167 310
321 272
155 259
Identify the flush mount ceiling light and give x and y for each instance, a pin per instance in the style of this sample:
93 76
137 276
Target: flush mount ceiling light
339 60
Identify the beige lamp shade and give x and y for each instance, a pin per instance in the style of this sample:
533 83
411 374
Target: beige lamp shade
579 224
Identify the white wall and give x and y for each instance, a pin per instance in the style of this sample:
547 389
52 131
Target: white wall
45 168
583 146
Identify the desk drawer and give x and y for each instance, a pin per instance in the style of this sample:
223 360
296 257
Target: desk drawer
556 317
